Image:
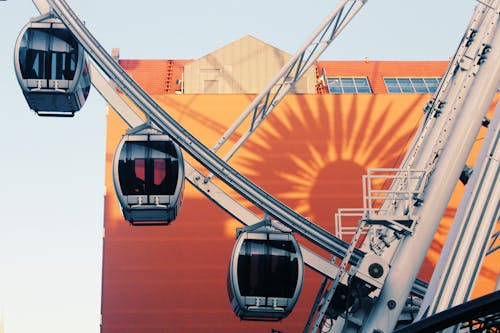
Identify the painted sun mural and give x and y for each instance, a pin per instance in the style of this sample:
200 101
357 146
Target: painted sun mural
312 153
327 144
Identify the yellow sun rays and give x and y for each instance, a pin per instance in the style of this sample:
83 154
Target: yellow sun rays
308 133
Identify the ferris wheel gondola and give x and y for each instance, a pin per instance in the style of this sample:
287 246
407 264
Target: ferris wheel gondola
265 273
148 174
51 68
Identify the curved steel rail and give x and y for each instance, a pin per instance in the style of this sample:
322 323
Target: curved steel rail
194 147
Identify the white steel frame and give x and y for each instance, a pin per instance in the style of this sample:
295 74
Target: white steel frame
440 148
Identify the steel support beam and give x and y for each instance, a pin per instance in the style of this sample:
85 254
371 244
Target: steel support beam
467 242
446 165
265 102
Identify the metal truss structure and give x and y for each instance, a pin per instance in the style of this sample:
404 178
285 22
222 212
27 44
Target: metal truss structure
401 220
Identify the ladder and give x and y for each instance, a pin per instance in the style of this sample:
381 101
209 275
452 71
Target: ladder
342 275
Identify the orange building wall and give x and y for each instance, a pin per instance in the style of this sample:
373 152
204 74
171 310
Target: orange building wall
310 153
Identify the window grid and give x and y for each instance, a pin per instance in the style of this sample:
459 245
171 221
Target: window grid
411 85
348 85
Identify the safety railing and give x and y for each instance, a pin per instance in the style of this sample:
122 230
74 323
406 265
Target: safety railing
390 196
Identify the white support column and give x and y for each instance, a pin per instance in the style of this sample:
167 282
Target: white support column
466 246
451 160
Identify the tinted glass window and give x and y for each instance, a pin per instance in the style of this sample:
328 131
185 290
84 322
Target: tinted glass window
347 82
63 66
361 82
392 85
49 54
364 90
132 180
267 269
160 168
406 86
432 84
147 167
349 90
411 85
419 86
348 85
334 86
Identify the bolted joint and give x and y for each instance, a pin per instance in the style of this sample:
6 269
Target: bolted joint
486 122
484 54
465 174
376 270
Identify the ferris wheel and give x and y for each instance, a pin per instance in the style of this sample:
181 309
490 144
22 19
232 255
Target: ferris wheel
266 269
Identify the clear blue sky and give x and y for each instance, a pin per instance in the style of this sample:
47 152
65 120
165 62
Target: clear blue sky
52 170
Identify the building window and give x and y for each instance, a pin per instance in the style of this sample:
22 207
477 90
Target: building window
348 85
411 85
